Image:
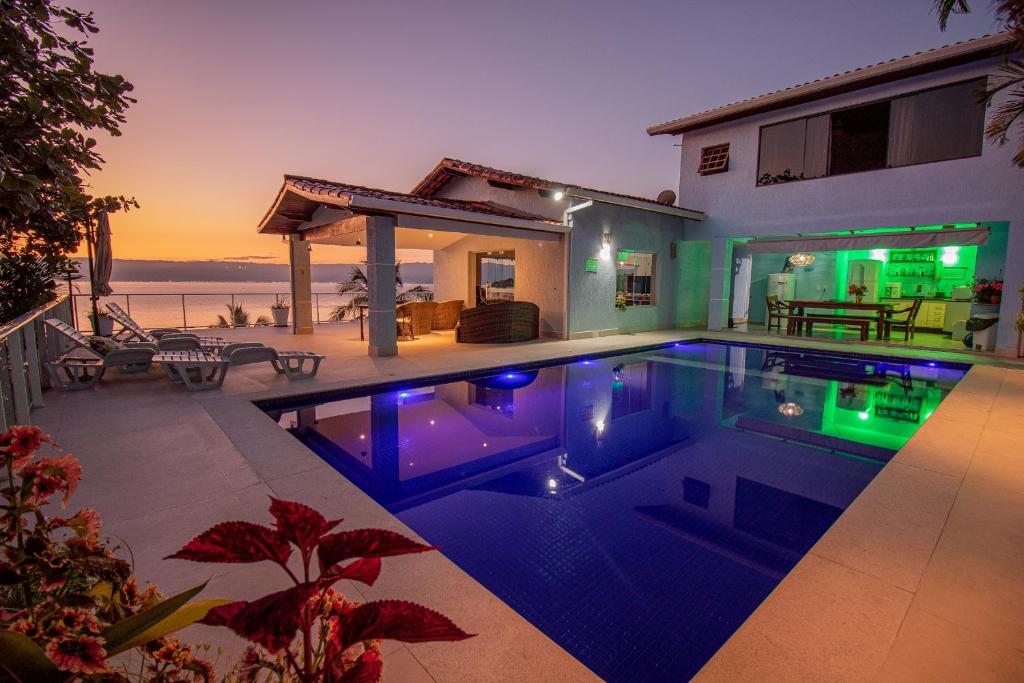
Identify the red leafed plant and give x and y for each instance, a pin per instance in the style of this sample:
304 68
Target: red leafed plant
309 632
70 608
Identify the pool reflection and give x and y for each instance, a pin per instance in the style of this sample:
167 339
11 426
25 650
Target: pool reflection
654 498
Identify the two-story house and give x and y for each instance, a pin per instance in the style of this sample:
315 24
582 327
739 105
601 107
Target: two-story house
880 177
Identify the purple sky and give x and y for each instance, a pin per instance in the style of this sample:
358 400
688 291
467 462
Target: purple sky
233 94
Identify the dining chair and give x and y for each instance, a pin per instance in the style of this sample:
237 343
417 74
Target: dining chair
777 311
909 324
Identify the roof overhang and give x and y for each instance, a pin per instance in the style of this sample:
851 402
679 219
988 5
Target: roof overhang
448 169
604 197
886 72
911 239
295 207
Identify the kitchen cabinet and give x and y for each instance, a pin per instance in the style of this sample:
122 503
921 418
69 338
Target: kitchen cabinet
956 311
933 314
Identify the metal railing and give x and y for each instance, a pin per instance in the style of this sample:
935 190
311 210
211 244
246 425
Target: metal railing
81 305
25 347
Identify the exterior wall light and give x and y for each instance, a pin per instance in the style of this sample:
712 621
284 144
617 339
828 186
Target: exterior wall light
606 246
558 195
802 259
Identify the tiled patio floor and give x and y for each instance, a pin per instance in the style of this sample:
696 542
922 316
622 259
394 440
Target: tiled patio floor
919 579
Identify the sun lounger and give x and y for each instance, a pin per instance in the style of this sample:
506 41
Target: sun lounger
294 365
198 371
133 330
84 366
176 343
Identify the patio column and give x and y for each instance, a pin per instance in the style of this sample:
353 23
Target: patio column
721 283
380 275
302 286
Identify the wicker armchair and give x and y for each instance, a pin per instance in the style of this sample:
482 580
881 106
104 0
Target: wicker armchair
500 323
414 318
446 315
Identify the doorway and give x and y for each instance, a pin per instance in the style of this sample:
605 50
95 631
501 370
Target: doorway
494 276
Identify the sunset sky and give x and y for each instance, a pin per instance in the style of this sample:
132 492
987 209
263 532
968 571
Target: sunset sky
234 94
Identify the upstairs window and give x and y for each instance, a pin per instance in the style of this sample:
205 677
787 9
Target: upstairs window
794 150
939 124
634 278
714 159
859 139
933 125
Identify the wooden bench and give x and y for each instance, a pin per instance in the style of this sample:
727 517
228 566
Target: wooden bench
797 322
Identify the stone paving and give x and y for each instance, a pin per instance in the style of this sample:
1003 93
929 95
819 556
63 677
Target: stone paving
919 579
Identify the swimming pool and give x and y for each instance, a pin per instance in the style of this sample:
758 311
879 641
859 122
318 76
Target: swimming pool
637 507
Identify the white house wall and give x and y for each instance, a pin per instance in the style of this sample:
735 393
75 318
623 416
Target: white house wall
592 305
539 274
977 189
476 189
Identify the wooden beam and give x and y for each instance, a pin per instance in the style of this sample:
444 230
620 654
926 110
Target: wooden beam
346 226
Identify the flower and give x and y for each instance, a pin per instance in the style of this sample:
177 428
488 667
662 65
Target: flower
86 525
21 442
84 654
50 475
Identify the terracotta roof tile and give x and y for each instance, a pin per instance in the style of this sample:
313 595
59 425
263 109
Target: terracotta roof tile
285 215
449 168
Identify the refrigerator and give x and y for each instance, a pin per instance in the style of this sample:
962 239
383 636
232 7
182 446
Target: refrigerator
864 272
782 285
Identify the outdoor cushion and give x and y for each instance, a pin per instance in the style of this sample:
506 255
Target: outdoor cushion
104 345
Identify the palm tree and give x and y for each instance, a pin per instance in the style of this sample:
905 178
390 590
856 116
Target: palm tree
1011 78
357 287
238 317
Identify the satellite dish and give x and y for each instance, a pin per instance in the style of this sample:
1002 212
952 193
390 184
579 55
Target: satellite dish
667 197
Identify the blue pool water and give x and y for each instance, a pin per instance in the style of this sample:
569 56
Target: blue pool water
635 508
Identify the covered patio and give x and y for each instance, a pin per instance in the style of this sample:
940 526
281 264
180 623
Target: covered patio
308 211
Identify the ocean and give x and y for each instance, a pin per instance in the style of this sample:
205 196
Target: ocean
197 304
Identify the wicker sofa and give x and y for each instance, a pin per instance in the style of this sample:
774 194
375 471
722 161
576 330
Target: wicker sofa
500 323
446 314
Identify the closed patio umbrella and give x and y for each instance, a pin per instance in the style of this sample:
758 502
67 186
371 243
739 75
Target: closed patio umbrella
104 258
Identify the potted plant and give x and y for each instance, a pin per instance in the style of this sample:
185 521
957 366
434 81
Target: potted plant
988 291
102 323
620 301
280 312
858 292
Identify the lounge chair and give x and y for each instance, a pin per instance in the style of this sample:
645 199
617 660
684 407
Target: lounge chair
82 367
133 331
291 364
176 343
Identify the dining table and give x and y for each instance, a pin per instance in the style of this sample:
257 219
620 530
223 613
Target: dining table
799 307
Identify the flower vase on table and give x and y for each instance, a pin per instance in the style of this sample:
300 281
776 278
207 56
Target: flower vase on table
857 292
